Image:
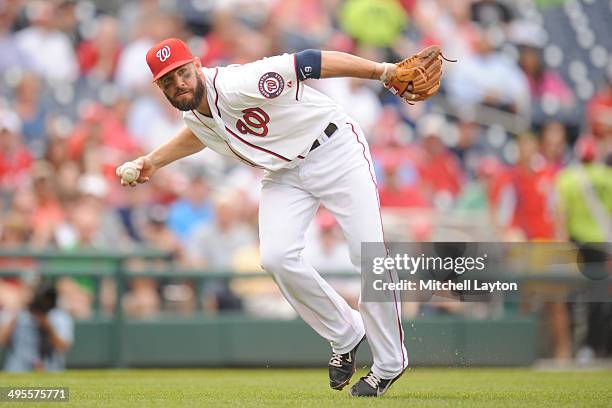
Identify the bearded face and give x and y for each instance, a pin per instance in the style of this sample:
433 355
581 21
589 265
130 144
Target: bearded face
183 88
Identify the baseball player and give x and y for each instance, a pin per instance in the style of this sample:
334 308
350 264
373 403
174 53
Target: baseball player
312 153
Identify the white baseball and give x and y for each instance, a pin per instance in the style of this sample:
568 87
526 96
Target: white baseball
129 172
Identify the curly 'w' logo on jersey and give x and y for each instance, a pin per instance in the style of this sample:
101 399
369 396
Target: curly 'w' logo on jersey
271 85
254 121
163 53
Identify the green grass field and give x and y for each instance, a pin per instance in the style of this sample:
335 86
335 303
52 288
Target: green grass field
308 388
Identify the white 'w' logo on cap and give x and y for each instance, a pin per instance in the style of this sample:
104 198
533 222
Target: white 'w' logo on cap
163 53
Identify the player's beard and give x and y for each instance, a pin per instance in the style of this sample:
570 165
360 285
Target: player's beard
192 103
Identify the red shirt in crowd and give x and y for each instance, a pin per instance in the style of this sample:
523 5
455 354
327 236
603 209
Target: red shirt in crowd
88 55
441 172
533 211
402 197
599 112
102 132
14 166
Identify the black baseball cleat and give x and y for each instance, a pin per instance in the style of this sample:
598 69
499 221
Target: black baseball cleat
342 367
372 386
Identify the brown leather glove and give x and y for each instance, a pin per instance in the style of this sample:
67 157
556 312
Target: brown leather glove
417 78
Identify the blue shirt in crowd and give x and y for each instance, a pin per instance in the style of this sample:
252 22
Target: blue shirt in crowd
22 350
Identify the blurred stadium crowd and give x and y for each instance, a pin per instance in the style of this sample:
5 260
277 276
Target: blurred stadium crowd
491 158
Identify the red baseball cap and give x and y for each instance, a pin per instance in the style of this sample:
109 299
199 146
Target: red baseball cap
586 148
167 55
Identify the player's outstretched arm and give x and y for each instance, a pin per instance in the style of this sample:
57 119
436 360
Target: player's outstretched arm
414 79
340 64
184 144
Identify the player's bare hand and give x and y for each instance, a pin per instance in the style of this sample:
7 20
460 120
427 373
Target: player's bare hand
144 167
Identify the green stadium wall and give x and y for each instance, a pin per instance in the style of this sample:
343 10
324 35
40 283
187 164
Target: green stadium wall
243 342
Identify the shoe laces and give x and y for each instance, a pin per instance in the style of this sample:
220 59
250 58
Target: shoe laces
372 379
336 360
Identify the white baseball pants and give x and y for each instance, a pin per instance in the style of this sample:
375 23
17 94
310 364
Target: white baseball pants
339 174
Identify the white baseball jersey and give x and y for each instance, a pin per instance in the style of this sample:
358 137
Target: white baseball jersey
262 113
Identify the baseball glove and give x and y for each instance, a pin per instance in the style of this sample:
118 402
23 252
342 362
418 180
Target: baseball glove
416 78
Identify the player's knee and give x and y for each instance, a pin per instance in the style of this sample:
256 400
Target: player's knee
274 260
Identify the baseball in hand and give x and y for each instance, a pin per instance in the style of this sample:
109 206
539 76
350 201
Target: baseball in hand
129 172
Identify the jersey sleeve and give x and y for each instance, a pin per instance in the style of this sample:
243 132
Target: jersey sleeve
272 78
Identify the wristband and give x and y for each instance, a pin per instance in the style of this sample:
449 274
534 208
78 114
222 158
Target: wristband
384 76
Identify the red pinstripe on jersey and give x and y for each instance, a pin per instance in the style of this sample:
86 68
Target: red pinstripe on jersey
297 77
216 93
399 322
